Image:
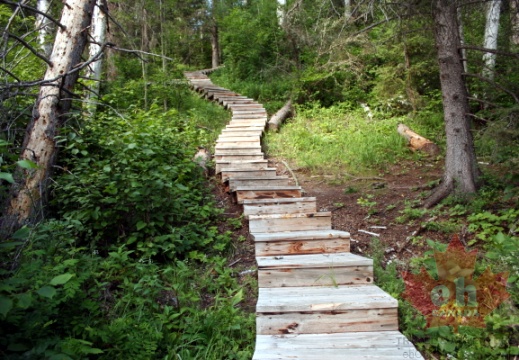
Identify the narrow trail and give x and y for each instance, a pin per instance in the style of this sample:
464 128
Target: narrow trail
316 299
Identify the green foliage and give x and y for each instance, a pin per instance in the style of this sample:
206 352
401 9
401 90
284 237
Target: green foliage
335 139
133 181
65 301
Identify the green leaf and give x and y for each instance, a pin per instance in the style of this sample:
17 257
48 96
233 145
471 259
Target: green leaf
8 245
47 291
107 168
24 300
22 233
6 304
27 164
61 279
141 225
7 177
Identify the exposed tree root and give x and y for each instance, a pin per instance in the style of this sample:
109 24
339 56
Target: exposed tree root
441 192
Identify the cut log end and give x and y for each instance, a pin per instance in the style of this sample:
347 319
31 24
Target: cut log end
417 142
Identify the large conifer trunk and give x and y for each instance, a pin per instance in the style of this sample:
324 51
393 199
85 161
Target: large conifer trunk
39 144
460 162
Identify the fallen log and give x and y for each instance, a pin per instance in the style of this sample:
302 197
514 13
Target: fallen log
418 142
282 114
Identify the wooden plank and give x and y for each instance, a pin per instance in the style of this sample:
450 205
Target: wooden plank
254 151
243 173
245 106
253 138
266 192
314 270
336 321
240 133
277 180
250 126
290 222
300 205
323 299
339 346
249 116
243 164
238 145
242 157
301 242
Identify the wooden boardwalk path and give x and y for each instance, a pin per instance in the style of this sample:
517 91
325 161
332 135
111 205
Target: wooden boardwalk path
316 299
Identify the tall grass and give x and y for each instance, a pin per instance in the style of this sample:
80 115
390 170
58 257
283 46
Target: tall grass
334 140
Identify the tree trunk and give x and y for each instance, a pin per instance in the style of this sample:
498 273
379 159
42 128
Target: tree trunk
98 34
461 170
462 41
281 12
44 27
490 40
215 45
514 19
39 147
347 9
283 113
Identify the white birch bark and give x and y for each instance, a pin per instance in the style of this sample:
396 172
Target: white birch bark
98 35
490 40
39 147
347 9
44 27
281 11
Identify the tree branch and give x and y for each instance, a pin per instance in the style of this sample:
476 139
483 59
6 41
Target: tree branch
10 74
31 49
30 8
493 83
492 51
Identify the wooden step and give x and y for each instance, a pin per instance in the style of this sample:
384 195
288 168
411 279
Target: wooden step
238 145
240 132
239 157
226 152
279 206
266 192
301 242
290 222
373 345
246 173
325 309
250 126
253 138
233 183
242 164
314 270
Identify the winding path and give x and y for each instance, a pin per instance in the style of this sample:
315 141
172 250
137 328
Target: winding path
316 299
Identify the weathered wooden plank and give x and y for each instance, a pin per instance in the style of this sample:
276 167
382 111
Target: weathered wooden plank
243 173
266 192
290 246
290 222
339 346
277 180
242 164
254 151
323 299
245 106
238 145
253 138
246 125
314 270
239 157
299 205
226 133
335 321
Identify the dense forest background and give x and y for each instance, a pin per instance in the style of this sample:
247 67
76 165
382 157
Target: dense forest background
124 250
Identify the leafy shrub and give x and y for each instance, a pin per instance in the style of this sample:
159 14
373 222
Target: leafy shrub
132 181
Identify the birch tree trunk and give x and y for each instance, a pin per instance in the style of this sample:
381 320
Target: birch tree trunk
514 19
281 11
490 40
44 27
98 35
28 198
347 9
214 35
461 172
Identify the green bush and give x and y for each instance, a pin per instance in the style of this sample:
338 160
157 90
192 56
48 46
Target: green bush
133 181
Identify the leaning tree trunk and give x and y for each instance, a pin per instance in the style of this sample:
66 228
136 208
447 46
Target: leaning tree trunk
28 197
461 170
